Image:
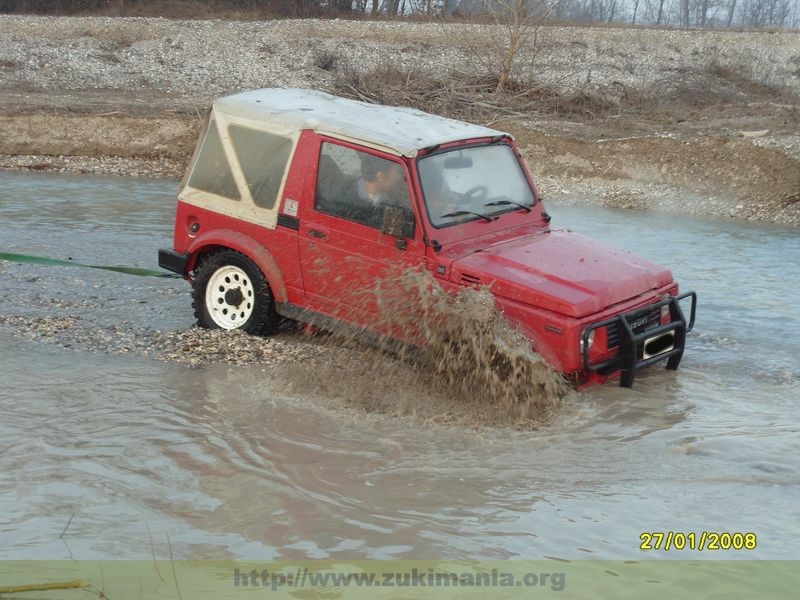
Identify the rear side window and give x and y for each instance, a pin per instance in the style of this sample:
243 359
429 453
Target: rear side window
211 172
263 158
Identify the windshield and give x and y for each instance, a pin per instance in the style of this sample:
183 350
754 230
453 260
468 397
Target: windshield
473 183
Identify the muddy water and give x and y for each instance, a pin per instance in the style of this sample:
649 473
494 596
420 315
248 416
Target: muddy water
122 450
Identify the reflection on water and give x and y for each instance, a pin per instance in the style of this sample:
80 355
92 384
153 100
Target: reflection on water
227 463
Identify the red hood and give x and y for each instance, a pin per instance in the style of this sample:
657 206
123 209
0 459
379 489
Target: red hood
561 271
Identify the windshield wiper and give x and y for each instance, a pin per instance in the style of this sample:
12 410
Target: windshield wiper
507 202
461 213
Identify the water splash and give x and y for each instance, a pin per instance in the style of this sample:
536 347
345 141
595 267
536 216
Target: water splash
460 360
469 347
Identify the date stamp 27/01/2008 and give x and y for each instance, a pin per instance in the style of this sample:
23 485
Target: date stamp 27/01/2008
705 540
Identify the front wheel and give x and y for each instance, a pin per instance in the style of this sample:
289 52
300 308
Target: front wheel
230 292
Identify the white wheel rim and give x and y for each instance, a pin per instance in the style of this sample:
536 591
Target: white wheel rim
230 297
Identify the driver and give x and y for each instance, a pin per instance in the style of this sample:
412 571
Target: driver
381 183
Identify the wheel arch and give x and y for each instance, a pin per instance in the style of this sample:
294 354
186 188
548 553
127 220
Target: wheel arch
222 239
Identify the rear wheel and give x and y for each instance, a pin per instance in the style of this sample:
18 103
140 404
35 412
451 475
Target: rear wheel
230 292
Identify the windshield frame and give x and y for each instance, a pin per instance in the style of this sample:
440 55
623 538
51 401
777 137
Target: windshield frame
494 211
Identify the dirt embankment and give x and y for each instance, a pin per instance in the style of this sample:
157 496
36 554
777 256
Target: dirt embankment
698 122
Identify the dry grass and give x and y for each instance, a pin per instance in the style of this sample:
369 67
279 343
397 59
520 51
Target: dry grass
710 85
174 9
461 95
117 35
324 59
470 96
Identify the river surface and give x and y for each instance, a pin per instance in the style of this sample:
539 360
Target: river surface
104 455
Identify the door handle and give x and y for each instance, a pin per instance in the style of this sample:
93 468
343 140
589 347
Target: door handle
317 234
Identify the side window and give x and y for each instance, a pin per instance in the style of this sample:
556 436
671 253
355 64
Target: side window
211 172
263 157
359 186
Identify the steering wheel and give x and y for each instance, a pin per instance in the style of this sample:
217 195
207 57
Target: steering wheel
479 193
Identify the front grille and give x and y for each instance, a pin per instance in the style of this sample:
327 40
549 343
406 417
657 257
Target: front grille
640 322
468 279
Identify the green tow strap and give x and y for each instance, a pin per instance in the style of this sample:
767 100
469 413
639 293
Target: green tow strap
43 260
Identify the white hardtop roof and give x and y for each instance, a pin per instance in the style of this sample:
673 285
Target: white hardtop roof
400 129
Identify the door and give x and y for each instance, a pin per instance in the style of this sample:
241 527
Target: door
347 263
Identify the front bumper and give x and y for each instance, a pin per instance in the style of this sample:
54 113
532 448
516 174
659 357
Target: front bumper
639 348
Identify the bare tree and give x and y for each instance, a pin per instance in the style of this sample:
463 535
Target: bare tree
731 10
660 11
520 20
514 15
703 12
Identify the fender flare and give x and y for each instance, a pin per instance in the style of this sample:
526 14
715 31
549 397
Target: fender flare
244 244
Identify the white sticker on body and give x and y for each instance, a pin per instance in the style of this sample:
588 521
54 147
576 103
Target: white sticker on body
290 207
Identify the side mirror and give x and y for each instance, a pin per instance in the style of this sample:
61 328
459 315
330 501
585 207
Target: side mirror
396 224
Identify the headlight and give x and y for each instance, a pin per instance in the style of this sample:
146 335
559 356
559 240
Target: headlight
590 340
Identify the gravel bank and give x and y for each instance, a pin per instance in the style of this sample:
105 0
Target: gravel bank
207 59
163 168
123 96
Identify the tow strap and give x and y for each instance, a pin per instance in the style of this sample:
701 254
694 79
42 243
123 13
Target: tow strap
43 260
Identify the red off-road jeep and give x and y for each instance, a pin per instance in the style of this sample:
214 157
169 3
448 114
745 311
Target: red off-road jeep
297 202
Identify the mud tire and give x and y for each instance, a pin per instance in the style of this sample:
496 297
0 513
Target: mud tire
234 274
